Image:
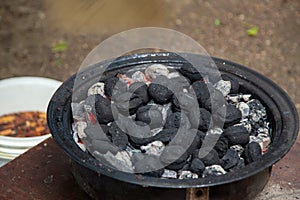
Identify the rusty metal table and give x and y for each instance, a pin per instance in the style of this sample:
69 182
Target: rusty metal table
43 172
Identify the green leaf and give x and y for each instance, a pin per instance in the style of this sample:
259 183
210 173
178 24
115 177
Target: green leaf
217 22
60 46
252 31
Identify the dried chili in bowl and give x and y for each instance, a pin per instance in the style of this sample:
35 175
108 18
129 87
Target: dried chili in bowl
24 124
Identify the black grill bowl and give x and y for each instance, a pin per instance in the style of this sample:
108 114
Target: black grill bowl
102 182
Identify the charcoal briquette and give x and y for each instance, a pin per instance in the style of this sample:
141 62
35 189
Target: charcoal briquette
192 73
178 84
159 90
173 154
141 90
237 135
202 91
128 103
151 115
229 115
197 166
252 152
221 146
230 159
184 101
188 139
113 86
215 100
176 120
166 135
149 166
118 137
103 109
211 158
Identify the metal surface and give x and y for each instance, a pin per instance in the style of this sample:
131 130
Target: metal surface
244 183
197 193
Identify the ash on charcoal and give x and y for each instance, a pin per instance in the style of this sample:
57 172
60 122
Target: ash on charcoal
237 135
257 111
103 146
103 109
214 170
173 75
78 111
223 86
234 89
235 98
169 174
154 148
190 72
97 132
230 159
79 128
118 137
113 86
97 88
244 108
252 152
266 140
184 101
197 166
159 90
138 76
150 115
187 175
140 89
155 70
149 165
238 148
121 161
77 141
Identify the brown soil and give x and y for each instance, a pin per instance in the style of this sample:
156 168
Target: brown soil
29 28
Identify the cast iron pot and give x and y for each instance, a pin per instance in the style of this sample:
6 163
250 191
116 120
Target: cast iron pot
102 182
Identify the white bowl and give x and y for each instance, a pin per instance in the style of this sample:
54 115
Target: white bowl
24 94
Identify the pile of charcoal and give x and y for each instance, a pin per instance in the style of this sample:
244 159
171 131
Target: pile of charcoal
171 123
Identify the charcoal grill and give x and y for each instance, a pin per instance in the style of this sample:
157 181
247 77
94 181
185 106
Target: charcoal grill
102 182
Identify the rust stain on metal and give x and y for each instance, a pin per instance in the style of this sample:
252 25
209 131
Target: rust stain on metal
197 193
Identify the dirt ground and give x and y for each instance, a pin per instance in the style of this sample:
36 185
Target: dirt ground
29 29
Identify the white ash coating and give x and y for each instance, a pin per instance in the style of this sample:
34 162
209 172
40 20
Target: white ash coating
169 174
187 175
213 170
223 86
97 88
153 148
155 70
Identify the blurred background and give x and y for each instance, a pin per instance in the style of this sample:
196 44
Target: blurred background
50 38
